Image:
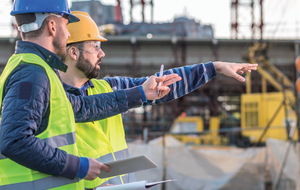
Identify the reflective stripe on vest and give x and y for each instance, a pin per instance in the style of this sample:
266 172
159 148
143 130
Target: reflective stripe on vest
106 158
57 141
44 183
121 154
59 133
115 156
103 140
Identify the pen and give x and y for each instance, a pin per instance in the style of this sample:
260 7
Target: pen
160 75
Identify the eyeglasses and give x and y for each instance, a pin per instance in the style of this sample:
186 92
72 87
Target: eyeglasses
95 45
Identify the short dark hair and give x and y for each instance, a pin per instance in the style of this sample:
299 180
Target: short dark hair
29 18
78 45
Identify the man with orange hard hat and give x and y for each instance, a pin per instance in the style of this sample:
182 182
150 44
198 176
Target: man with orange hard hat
103 140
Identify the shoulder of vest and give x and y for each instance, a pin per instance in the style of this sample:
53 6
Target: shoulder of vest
29 72
102 83
31 66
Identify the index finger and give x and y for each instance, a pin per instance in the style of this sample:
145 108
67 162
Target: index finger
161 79
166 77
248 68
171 76
249 64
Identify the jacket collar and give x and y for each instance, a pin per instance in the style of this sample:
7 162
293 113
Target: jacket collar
50 58
76 91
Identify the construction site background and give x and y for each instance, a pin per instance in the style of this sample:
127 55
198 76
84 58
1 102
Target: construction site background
239 139
212 167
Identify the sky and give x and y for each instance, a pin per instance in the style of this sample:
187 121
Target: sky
279 16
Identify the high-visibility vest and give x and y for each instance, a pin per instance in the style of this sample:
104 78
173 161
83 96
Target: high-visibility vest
103 140
60 133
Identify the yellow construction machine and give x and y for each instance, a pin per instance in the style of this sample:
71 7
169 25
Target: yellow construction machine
272 111
263 115
190 130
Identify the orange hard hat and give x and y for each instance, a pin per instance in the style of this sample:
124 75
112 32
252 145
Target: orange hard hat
84 30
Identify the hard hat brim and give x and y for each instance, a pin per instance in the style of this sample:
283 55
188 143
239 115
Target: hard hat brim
73 18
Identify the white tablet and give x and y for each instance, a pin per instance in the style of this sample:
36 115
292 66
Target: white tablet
128 165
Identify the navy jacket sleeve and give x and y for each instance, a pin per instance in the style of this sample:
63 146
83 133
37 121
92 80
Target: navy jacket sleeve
101 106
193 76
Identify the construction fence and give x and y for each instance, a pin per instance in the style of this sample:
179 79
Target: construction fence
211 167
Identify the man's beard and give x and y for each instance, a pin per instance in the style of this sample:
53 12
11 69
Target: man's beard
87 67
59 46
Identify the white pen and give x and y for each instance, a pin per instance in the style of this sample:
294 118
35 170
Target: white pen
161 72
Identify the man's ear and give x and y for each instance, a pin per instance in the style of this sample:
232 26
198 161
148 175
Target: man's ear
73 52
52 27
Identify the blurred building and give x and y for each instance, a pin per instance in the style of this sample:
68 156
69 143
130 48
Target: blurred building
111 21
181 26
101 14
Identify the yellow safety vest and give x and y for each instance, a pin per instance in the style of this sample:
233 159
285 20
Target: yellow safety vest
103 140
60 133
